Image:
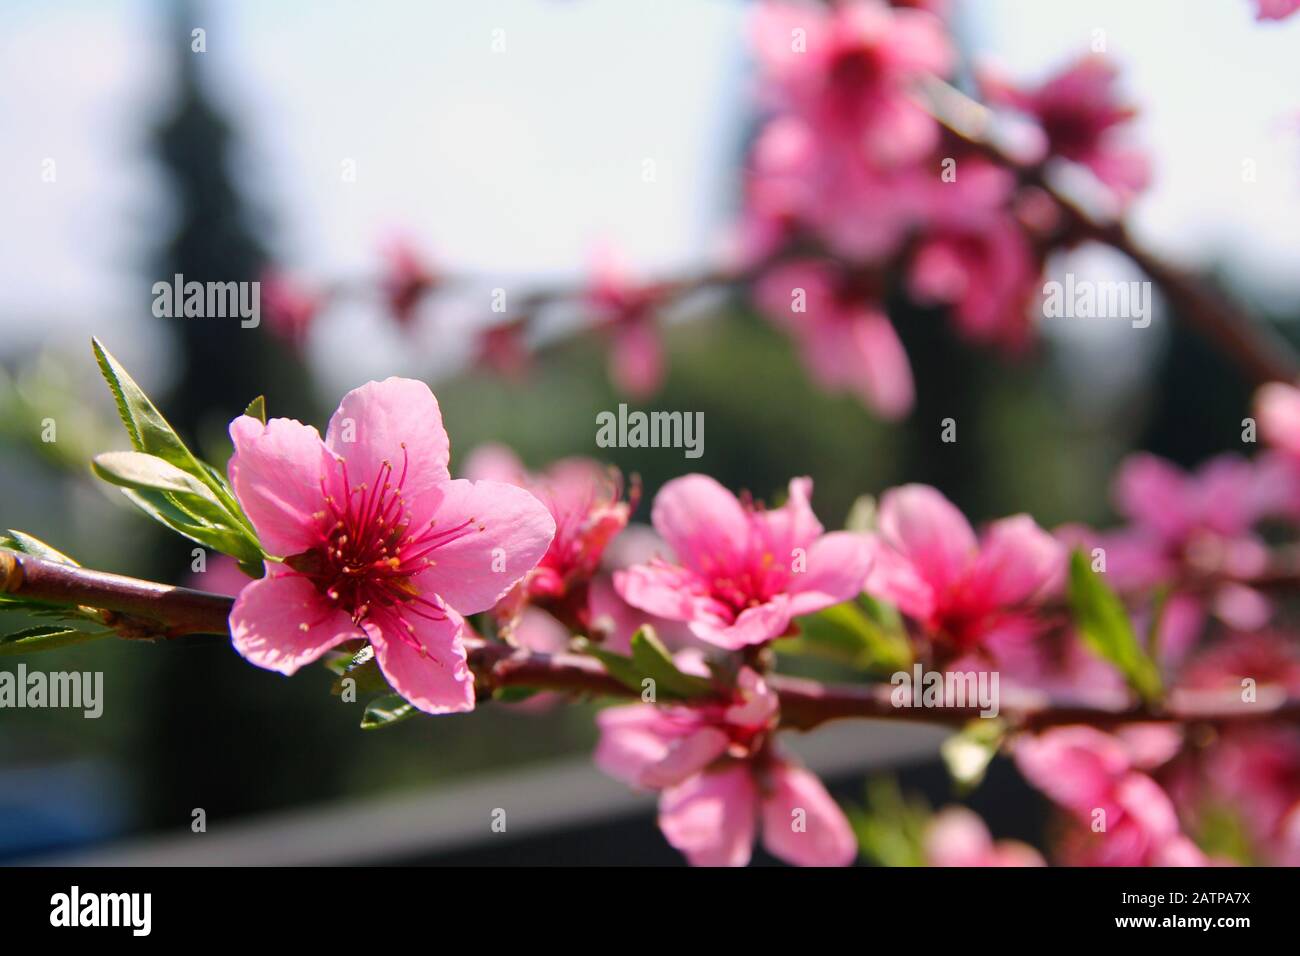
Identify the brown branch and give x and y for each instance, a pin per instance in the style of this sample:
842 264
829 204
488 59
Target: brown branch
1257 349
175 612
171 611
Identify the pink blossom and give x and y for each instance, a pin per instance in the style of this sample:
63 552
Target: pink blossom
613 621
1275 9
744 573
503 349
406 280
861 211
848 71
930 565
721 778
1267 659
1079 110
377 541
1123 816
585 500
958 837
1054 664
289 307
1194 526
222 575
1251 774
628 311
846 340
975 257
1277 409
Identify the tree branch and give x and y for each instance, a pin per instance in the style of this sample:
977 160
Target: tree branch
160 611
1257 349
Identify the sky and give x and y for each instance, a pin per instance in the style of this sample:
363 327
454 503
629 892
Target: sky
511 137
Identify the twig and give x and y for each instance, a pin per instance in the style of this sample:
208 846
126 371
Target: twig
805 704
1259 351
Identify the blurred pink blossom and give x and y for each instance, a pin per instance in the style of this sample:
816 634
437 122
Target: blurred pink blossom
974 255
744 573
930 565
1275 9
846 340
407 278
1079 111
848 71
958 837
720 775
1123 817
628 311
289 307
585 499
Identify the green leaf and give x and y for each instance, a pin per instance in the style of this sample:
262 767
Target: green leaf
891 828
133 469
968 753
862 514
386 711
257 409
45 637
167 509
24 543
619 666
851 634
652 660
150 432
1105 627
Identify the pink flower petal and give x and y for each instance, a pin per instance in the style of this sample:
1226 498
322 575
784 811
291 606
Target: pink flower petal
701 521
759 703
636 359
494 462
282 622
1277 407
884 376
925 527
663 590
837 566
276 473
632 739
1153 492
711 817
686 756
427 663
793 525
754 625
396 421
802 824
957 836
892 577
507 533
1017 560
1076 766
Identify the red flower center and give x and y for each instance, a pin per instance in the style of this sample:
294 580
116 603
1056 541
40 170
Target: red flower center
369 551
